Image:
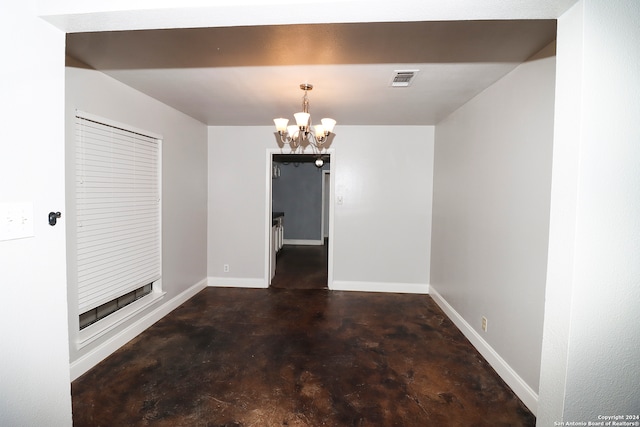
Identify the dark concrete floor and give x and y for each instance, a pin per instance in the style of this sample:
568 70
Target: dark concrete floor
291 357
301 267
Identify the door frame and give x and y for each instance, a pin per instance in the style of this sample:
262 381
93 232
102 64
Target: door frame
325 215
268 209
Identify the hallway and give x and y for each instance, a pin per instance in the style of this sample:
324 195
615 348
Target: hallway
302 267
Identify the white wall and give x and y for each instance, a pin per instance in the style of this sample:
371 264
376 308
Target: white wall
592 321
237 188
561 268
382 229
34 358
491 213
109 15
184 188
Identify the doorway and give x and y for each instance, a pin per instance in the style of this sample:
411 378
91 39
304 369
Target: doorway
298 255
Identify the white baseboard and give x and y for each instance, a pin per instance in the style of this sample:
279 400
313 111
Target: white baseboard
234 282
511 377
303 242
399 288
101 352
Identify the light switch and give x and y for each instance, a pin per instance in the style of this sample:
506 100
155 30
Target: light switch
16 220
340 200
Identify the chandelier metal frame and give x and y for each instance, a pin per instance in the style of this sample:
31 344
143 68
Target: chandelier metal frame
303 133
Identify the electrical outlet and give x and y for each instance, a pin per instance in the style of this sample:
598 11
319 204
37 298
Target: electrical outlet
484 323
226 268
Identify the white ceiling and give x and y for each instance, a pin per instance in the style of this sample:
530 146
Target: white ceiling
247 75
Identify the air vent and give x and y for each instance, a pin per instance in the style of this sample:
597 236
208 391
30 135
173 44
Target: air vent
403 78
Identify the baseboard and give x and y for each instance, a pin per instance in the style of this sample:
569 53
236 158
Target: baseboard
399 288
95 356
513 380
319 242
234 282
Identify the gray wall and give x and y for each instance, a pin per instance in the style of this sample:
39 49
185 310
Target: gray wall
184 190
381 231
492 184
298 193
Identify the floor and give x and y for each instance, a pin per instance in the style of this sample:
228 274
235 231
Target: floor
298 357
301 267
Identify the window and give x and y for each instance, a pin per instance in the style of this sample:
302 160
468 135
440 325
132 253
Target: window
118 216
90 317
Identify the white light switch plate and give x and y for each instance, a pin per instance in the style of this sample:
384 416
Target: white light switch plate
16 220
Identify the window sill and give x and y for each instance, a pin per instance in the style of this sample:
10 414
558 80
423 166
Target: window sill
103 326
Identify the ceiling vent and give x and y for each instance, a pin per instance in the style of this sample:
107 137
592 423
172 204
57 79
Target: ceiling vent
403 78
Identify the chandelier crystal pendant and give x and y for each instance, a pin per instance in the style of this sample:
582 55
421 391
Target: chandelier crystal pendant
303 133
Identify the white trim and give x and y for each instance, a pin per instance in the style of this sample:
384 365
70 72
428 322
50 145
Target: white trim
398 288
115 124
332 197
235 282
91 333
528 396
303 242
95 356
267 219
325 215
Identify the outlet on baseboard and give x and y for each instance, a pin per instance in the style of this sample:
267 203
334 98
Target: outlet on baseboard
484 323
226 268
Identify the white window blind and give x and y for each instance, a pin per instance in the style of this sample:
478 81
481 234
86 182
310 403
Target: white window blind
118 211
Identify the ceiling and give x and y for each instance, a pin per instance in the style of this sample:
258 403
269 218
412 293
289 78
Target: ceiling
248 75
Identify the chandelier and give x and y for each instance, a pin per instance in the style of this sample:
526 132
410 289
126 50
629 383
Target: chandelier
303 133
